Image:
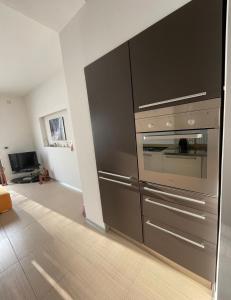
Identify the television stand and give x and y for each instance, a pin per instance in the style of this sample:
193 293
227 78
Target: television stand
27 178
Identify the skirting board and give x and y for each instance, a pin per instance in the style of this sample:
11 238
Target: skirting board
96 226
70 186
92 224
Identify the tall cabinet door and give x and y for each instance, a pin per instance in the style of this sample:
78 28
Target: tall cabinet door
111 107
180 57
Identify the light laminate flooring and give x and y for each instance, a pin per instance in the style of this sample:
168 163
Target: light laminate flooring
48 252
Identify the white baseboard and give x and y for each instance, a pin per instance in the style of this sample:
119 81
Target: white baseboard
70 186
96 226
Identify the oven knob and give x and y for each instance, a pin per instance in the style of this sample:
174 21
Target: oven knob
150 125
191 122
169 124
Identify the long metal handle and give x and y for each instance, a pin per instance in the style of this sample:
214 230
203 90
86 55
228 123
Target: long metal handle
182 156
116 181
115 175
176 209
175 137
176 235
168 155
175 196
174 100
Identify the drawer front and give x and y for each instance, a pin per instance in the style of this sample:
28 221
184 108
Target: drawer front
194 222
121 206
196 255
189 199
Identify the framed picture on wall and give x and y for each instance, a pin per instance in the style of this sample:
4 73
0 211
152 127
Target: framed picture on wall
57 128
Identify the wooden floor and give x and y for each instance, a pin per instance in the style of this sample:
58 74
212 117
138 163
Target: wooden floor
48 252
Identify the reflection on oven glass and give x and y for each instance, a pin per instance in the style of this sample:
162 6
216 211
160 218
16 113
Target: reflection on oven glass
182 153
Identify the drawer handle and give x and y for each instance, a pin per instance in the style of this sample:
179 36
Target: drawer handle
115 181
175 196
116 175
202 246
176 209
174 100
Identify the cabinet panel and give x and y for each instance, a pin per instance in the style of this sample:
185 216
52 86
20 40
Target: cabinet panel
196 255
179 56
194 200
121 207
200 224
111 106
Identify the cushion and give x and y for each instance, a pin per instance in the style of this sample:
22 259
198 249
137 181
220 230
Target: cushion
5 200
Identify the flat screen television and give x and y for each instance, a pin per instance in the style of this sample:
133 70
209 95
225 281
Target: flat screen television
23 162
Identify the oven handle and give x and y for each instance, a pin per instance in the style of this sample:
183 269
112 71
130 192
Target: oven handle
175 209
181 156
177 136
176 235
175 196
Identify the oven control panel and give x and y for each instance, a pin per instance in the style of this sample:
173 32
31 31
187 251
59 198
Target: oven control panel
178 119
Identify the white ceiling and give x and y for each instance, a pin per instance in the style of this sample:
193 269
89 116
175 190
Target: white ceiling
52 13
29 52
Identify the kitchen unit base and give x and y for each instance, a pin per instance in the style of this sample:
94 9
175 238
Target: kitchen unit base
193 254
197 223
164 259
181 226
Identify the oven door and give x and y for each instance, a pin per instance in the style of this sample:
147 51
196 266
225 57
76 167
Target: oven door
184 159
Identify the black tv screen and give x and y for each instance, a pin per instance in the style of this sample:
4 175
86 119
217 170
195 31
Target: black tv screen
23 162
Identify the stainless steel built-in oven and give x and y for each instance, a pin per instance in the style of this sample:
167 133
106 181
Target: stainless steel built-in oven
179 146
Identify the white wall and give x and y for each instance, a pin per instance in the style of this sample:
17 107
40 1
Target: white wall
48 98
100 26
67 127
15 130
224 249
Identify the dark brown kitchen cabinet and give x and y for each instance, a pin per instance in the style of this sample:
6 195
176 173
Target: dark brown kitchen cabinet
121 207
197 223
193 253
180 57
111 107
112 117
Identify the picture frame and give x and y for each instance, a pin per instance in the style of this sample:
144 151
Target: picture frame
57 129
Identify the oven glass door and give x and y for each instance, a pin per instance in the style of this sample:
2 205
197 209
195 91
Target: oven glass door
182 159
